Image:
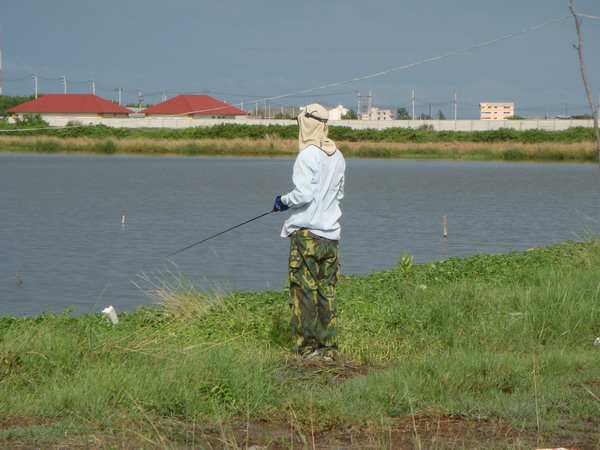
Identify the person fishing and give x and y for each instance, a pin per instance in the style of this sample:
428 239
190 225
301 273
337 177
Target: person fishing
314 232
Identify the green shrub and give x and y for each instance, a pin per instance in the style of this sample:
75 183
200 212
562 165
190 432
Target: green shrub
31 121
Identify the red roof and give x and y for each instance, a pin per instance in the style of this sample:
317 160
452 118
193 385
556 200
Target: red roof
69 103
193 104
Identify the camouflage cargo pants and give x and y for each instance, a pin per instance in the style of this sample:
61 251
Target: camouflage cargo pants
313 270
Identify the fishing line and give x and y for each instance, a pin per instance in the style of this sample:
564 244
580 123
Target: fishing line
220 233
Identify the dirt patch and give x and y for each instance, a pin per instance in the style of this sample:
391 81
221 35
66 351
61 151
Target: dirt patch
427 430
16 422
302 369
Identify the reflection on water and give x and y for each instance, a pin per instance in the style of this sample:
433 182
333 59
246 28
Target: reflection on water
63 243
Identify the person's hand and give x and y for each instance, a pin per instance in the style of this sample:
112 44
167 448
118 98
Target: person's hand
279 205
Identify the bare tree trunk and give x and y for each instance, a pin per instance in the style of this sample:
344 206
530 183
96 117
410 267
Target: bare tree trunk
586 84
578 47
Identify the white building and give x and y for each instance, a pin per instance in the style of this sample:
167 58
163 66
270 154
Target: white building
193 107
496 111
378 114
338 112
70 107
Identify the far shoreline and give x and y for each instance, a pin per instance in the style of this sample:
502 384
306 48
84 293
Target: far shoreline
497 151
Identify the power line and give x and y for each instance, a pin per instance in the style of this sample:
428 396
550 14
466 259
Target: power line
437 58
50 80
26 77
374 75
352 80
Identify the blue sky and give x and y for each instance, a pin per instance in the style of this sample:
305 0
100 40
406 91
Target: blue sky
243 51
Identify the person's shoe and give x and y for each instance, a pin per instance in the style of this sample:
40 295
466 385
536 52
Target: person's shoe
328 354
313 354
317 354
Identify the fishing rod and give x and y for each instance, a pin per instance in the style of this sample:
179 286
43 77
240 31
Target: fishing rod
222 232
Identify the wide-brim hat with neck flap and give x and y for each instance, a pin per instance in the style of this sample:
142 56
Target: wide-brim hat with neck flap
312 121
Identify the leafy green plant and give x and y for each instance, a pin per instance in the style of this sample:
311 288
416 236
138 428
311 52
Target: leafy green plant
406 263
30 121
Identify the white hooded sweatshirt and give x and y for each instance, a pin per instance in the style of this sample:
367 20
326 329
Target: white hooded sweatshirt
318 179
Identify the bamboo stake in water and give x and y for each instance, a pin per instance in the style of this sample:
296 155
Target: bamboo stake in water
445 227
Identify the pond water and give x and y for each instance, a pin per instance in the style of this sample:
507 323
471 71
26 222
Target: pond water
63 244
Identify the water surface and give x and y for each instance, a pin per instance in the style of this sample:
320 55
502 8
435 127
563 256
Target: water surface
63 243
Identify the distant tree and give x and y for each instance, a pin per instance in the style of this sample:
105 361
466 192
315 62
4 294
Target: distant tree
424 116
515 117
281 115
350 115
7 101
402 114
441 115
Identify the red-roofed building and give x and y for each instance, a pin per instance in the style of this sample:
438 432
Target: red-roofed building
193 107
71 106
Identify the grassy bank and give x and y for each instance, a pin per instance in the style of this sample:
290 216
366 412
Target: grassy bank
487 351
273 146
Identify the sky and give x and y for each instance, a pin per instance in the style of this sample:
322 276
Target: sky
285 53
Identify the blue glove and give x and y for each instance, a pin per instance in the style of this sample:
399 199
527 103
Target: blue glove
279 205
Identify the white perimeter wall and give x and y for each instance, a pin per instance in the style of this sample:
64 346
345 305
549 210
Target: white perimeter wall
438 125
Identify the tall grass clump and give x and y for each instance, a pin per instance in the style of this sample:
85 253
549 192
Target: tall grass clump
494 339
517 301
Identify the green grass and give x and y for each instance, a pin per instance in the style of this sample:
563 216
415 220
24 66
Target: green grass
496 338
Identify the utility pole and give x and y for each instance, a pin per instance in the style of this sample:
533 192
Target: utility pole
358 101
0 64
35 84
140 97
119 90
93 87
64 82
455 104
413 104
